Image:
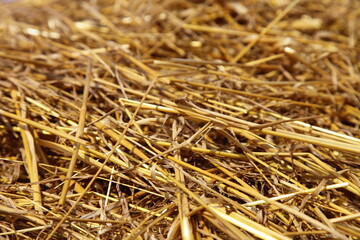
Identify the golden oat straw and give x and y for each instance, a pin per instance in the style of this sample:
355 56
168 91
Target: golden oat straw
188 119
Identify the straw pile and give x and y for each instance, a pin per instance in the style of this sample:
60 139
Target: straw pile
179 119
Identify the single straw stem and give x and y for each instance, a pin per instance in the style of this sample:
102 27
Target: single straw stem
79 133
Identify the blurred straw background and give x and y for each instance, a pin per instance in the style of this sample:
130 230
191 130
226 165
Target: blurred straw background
188 119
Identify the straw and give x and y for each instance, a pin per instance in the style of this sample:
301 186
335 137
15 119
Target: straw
179 119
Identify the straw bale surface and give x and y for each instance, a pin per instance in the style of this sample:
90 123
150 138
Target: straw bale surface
179 119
